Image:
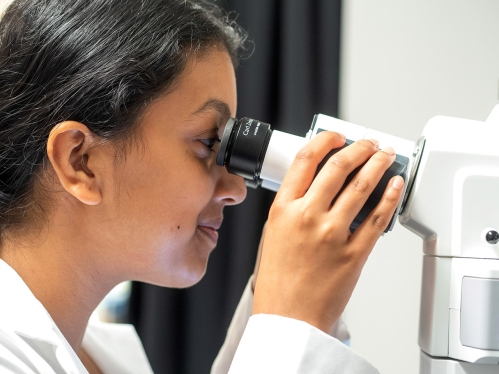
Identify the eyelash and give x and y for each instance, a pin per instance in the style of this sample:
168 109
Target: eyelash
210 142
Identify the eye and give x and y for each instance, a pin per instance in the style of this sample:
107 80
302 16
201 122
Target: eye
210 142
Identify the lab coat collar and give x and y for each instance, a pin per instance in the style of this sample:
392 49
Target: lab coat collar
23 314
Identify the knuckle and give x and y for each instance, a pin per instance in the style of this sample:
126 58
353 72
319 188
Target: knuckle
361 185
350 256
307 216
306 154
339 161
330 232
392 198
277 209
326 232
379 221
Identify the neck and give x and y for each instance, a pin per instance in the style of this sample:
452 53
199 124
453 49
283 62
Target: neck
63 275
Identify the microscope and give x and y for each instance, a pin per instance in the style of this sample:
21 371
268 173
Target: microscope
451 200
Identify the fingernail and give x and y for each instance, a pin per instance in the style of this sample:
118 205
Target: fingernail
398 182
342 136
388 150
375 142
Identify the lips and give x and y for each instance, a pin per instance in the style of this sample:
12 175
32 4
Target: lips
210 227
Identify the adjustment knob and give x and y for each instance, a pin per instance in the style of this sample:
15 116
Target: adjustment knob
492 237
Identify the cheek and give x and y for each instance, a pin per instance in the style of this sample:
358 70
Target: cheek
169 189
165 198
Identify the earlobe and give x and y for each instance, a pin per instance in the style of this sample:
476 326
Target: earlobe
69 150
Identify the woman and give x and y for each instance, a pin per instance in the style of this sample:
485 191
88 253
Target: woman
110 115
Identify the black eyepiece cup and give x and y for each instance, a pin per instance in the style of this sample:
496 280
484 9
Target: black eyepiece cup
243 147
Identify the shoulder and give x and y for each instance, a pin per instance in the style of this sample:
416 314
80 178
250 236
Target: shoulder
29 339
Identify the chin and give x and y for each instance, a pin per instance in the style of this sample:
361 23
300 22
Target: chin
184 280
183 269
190 277
193 269
184 276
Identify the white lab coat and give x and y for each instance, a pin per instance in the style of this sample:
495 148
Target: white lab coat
30 342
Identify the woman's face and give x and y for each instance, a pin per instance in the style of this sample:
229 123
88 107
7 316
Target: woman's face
167 197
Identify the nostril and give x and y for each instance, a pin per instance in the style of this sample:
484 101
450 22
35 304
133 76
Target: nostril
231 189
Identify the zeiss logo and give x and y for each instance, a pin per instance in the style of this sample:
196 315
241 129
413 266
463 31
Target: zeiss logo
247 129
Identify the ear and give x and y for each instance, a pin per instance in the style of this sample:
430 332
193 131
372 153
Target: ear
69 149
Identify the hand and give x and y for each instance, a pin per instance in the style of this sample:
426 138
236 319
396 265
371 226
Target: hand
311 262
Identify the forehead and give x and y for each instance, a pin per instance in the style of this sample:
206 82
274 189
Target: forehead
208 81
206 87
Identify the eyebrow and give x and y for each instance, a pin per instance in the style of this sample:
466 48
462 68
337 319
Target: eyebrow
216 105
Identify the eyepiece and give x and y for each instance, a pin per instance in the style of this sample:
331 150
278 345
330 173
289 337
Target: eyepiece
250 149
243 147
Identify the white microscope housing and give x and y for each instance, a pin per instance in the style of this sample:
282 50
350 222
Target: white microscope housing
454 207
451 201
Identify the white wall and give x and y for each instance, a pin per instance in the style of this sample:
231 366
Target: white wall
403 62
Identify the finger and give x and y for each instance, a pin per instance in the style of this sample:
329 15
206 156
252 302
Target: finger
354 196
371 229
302 171
330 179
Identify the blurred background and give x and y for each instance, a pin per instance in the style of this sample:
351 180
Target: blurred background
386 64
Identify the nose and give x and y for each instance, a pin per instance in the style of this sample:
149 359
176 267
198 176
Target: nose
230 188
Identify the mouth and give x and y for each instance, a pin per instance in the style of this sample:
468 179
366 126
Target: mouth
209 229
210 232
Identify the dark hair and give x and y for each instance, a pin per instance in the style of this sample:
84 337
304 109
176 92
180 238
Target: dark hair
98 62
